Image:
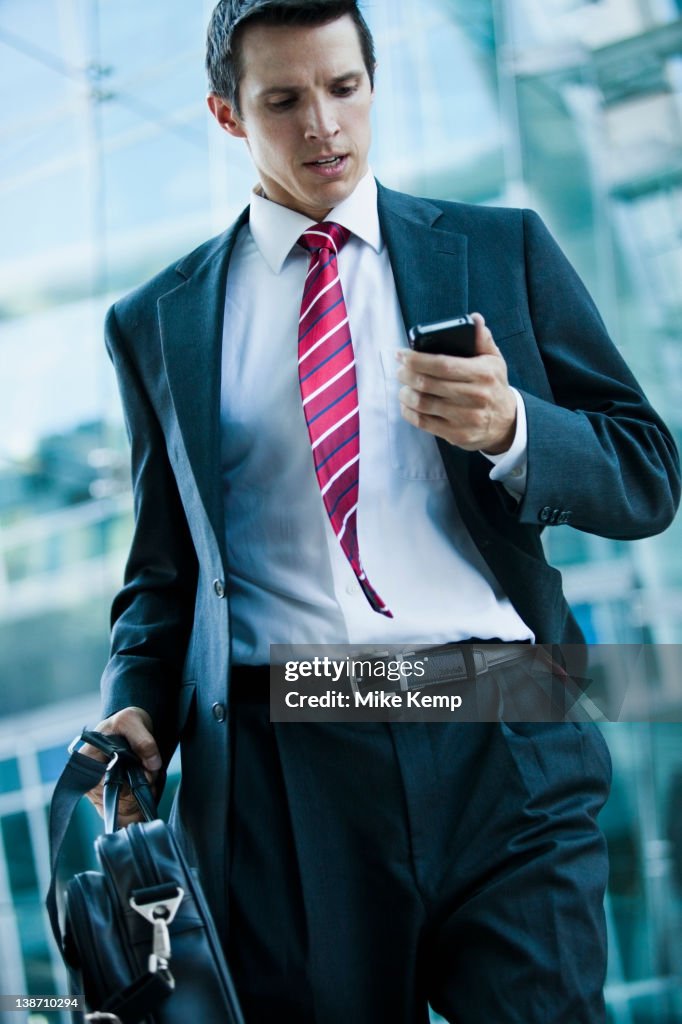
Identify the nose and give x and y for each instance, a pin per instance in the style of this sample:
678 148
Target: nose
320 122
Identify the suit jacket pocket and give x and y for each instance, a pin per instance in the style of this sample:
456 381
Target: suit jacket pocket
506 323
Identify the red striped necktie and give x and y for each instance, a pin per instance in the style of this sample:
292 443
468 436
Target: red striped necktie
326 370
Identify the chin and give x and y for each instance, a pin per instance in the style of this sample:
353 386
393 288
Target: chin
335 193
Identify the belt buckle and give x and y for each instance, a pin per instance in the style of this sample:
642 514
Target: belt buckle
354 679
402 658
484 667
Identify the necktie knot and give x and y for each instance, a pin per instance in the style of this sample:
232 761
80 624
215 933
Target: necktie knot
326 235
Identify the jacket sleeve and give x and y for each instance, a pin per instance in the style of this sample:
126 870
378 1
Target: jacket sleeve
152 614
599 457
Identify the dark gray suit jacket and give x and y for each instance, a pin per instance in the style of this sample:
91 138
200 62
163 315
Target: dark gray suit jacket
599 458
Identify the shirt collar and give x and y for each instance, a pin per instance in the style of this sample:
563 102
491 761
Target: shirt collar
276 229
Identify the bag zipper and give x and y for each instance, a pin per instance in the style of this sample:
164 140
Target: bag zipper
149 874
86 924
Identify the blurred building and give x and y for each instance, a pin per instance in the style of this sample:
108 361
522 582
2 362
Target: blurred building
110 168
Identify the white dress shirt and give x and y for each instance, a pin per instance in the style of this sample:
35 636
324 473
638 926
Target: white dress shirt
288 579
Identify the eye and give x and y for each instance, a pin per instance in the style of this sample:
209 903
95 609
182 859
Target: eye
345 90
283 104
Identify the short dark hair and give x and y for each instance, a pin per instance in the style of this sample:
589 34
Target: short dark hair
223 50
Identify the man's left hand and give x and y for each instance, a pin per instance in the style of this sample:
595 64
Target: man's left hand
465 400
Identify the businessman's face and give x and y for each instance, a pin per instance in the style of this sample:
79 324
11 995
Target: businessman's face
305 101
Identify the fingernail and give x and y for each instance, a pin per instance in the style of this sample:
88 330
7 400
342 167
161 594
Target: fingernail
152 763
400 356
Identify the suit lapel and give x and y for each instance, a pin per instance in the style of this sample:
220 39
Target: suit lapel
431 278
429 265
191 326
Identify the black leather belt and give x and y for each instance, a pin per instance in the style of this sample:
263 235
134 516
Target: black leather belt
433 666
447 663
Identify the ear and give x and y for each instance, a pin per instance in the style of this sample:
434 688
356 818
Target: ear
226 115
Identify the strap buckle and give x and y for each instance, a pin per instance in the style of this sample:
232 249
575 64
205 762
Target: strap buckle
160 913
115 746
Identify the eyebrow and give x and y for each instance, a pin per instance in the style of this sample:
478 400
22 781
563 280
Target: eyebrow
337 80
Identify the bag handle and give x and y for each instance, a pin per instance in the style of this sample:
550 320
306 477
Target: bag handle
79 776
123 768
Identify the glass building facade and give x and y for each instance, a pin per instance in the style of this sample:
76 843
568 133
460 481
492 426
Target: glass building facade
110 167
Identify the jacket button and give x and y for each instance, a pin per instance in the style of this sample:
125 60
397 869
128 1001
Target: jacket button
545 515
218 712
564 517
219 588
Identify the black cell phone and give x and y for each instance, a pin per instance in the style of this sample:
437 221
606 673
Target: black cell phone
448 337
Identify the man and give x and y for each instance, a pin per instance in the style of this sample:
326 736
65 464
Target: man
359 872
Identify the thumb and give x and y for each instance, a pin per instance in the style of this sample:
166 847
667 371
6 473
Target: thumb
143 743
485 344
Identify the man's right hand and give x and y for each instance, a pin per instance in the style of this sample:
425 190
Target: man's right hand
136 725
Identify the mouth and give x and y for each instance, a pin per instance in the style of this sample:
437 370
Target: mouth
328 166
326 161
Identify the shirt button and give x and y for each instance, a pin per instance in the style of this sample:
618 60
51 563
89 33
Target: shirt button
351 588
517 472
219 588
218 712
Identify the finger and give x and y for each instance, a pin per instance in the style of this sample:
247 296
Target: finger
482 376
485 343
425 385
135 724
468 433
470 417
127 804
128 807
439 367
446 406
93 752
432 424
440 427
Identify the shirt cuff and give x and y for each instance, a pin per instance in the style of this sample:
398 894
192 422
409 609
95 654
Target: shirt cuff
510 467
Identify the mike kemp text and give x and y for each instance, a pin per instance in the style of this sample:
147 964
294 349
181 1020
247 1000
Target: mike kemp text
373 699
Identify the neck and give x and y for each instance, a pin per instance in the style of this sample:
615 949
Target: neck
316 215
